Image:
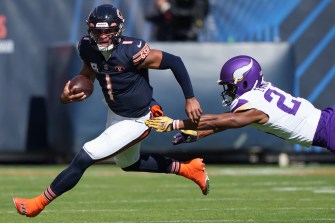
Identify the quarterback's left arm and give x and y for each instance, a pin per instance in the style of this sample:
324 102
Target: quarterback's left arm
157 59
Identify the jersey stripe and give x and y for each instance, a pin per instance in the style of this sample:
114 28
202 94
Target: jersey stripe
141 55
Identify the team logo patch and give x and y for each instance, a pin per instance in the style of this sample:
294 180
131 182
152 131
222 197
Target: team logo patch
94 66
139 45
119 68
119 14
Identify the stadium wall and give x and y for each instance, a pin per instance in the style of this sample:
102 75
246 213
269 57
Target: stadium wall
31 31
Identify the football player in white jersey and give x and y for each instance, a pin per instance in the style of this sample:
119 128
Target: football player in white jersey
257 103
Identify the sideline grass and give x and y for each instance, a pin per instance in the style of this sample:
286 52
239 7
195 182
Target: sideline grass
238 194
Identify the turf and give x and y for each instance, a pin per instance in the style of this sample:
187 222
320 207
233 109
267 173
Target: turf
238 194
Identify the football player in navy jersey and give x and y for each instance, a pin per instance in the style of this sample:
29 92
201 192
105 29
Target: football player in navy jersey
260 104
120 64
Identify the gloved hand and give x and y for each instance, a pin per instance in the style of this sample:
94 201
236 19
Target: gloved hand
185 136
160 124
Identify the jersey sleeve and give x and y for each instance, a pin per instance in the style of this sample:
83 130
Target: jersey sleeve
83 50
240 105
249 100
138 50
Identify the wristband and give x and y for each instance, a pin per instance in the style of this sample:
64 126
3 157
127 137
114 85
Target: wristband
175 124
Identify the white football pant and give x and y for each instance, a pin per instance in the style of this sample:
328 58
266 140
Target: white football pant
121 139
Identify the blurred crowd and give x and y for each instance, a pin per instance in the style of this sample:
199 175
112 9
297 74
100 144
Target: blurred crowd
177 20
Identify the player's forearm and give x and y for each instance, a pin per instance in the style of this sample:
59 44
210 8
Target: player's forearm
203 133
206 122
88 72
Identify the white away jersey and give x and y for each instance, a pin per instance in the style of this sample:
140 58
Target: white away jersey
293 119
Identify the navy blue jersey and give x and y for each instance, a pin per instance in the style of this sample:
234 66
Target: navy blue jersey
126 89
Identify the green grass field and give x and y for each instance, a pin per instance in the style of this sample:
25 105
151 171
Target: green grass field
238 194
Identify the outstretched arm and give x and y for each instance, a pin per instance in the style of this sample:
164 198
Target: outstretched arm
211 123
228 120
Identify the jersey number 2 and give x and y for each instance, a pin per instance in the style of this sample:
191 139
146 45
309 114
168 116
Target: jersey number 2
281 101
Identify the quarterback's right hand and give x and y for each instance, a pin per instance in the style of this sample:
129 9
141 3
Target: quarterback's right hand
160 124
68 95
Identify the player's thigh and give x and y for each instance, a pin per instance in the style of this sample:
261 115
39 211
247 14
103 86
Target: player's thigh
116 138
128 157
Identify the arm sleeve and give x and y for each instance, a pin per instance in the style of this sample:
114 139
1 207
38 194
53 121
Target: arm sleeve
178 68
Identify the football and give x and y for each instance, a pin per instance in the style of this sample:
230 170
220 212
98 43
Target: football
83 84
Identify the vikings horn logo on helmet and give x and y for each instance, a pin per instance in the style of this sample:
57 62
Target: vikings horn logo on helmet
238 75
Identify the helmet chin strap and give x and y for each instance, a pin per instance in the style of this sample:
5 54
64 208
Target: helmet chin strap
106 51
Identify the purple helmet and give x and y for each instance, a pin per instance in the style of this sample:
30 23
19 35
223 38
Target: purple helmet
239 75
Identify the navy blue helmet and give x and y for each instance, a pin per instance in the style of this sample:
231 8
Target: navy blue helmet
105 25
